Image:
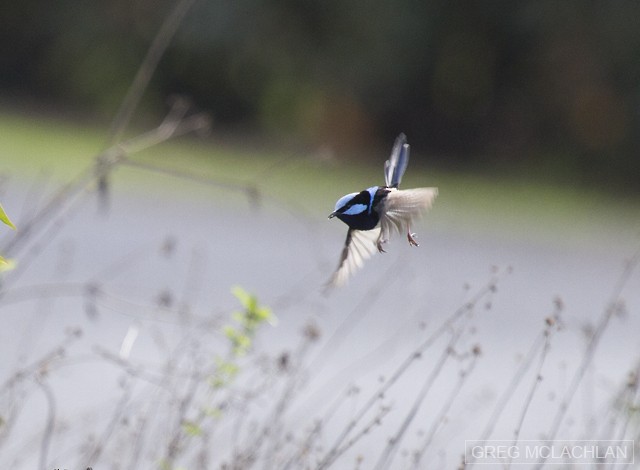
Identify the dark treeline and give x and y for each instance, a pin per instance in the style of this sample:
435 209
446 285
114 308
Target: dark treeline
550 86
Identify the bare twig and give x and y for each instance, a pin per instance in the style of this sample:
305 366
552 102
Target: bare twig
442 416
316 429
252 192
147 69
392 446
612 309
540 346
49 220
43 363
94 454
286 399
622 412
446 326
366 429
532 391
51 420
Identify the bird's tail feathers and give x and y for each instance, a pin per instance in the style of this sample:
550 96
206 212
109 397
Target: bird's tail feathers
395 167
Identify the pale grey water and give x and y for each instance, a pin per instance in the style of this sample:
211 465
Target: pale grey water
367 329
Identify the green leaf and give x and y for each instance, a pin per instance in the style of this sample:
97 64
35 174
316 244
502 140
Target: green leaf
6 264
241 342
239 317
5 218
229 331
265 314
213 412
191 428
229 369
225 372
243 296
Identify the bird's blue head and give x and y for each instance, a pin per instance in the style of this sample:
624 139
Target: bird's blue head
357 209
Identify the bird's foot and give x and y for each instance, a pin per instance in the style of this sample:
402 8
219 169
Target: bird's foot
379 245
412 240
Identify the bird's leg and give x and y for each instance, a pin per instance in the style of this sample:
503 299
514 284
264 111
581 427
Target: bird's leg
412 241
379 243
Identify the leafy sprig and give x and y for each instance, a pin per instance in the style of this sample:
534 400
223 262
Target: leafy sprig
5 264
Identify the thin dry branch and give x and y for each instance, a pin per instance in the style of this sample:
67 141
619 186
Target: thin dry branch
147 69
52 217
613 308
252 192
488 289
50 424
444 411
392 446
539 346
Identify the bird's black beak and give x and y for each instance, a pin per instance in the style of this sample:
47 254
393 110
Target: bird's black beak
332 215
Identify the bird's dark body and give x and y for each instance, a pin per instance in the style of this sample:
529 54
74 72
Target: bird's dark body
367 199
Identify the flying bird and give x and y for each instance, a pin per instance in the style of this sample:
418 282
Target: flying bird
375 213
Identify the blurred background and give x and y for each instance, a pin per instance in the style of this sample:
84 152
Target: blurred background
549 89
118 324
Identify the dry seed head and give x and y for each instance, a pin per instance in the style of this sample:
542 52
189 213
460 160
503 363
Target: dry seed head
311 332
632 381
74 332
283 361
558 303
165 299
620 309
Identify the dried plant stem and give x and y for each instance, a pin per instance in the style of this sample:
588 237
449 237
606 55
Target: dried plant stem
103 163
392 446
272 425
45 362
252 192
612 309
447 325
50 425
50 219
147 69
94 454
630 403
442 416
532 391
174 446
535 348
315 431
539 346
366 429
623 412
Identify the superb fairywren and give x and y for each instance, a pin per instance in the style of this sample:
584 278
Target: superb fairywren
375 213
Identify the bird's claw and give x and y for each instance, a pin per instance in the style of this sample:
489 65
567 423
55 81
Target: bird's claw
379 246
412 240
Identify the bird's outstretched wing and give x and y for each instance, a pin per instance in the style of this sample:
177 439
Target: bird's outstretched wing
358 247
395 167
402 207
